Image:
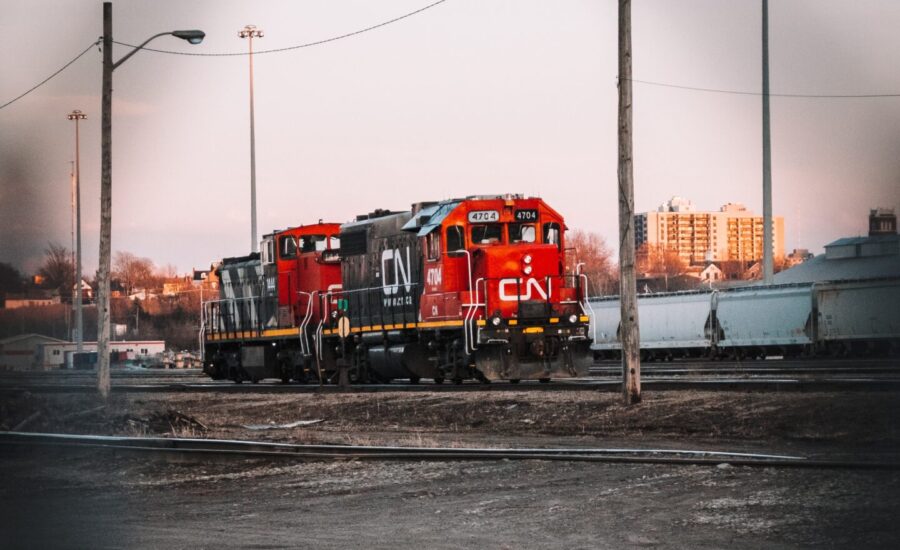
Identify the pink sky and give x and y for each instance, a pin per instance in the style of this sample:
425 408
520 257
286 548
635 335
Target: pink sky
468 97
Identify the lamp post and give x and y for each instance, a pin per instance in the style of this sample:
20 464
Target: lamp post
77 115
192 36
250 32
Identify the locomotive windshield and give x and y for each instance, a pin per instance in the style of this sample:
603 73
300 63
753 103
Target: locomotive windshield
287 247
487 234
521 233
312 243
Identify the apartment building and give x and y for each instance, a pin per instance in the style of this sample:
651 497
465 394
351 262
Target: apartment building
731 234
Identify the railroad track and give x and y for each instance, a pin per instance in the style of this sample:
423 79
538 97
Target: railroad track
609 385
249 449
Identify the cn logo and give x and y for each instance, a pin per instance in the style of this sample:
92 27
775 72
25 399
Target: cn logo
391 284
508 289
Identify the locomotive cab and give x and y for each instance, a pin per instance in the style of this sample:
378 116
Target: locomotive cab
498 263
262 325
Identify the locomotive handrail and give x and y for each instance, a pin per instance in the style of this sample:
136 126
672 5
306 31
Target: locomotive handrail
304 342
587 301
469 332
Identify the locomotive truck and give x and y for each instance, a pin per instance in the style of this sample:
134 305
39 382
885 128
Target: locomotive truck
464 288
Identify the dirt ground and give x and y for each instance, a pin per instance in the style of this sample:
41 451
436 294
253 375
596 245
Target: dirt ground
97 499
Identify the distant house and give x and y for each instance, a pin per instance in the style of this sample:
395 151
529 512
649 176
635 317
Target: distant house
21 352
141 294
32 299
87 291
712 274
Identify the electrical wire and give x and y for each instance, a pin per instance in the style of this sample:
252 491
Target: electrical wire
307 45
297 47
41 83
740 92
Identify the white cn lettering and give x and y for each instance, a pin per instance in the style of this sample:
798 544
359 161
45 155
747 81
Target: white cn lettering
401 272
508 290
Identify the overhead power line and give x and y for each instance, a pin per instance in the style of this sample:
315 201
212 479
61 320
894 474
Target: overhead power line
298 46
740 92
46 80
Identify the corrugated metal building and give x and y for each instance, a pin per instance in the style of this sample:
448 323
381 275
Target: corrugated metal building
21 352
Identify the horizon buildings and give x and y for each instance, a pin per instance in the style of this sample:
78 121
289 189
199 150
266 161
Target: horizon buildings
732 234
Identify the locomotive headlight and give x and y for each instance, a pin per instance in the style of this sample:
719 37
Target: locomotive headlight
573 318
527 259
495 321
526 270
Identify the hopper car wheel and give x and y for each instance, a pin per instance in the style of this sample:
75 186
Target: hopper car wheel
514 380
544 380
439 380
414 379
457 381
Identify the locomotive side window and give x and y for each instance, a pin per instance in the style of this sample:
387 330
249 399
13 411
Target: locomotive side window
521 233
551 233
334 242
487 234
312 243
287 247
433 244
456 239
268 251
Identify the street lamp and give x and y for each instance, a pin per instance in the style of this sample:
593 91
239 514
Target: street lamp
192 36
250 32
77 115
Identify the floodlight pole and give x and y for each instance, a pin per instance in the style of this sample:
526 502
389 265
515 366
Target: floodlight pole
103 271
250 32
77 115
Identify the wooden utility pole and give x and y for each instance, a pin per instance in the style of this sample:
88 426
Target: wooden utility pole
630 335
105 207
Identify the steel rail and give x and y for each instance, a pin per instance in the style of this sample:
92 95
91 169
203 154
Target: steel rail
652 384
244 449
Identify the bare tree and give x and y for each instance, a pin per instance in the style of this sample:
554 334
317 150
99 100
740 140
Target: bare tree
133 272
57 270
11 279
591 249
661 262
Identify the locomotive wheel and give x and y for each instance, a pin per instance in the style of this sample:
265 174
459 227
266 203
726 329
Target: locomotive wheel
544 380
457 381
514 380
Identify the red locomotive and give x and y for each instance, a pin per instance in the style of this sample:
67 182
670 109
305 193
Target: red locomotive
465 288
